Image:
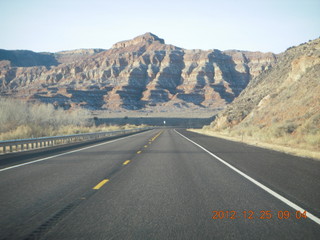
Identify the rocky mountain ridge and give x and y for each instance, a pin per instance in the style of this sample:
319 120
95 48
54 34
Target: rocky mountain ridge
281 104
142 73
26 58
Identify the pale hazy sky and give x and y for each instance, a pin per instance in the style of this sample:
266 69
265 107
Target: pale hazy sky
268 25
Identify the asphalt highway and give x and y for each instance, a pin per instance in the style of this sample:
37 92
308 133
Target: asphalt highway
159 184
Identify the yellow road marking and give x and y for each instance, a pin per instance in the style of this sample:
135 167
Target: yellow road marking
152 139
139 152
126 162
145 146
99 185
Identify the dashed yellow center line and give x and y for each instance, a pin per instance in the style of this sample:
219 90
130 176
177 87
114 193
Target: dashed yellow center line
100 184
103 182
152 139
126 162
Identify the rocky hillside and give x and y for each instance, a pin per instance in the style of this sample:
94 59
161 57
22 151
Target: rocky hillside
25 58
75 55
282 103
136 74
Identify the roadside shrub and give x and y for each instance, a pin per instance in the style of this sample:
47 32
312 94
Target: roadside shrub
287 128
20 119
312 126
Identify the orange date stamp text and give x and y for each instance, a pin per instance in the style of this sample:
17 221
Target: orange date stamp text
263 214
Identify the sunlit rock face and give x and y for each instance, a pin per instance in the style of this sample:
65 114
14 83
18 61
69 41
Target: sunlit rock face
140 73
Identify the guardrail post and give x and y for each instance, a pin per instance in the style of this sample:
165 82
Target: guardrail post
26 144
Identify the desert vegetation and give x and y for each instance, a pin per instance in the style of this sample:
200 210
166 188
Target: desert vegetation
280 108
19 120
304 141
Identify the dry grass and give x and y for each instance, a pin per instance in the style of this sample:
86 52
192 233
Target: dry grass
280 109
285 144
20 120
26 131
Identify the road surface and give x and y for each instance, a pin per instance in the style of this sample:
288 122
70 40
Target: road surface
159 184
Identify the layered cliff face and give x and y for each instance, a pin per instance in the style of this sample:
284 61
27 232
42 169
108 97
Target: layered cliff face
282 103
140 73
75 55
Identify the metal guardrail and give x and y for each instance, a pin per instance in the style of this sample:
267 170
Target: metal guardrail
33 143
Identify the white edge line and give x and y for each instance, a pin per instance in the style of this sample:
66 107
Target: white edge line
61 154
273 193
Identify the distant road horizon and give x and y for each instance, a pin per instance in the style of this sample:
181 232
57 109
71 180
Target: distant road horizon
186 122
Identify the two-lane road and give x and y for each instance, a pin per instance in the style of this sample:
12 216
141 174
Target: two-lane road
160 185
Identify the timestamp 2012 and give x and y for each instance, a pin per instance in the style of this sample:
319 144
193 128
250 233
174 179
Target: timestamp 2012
263 214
